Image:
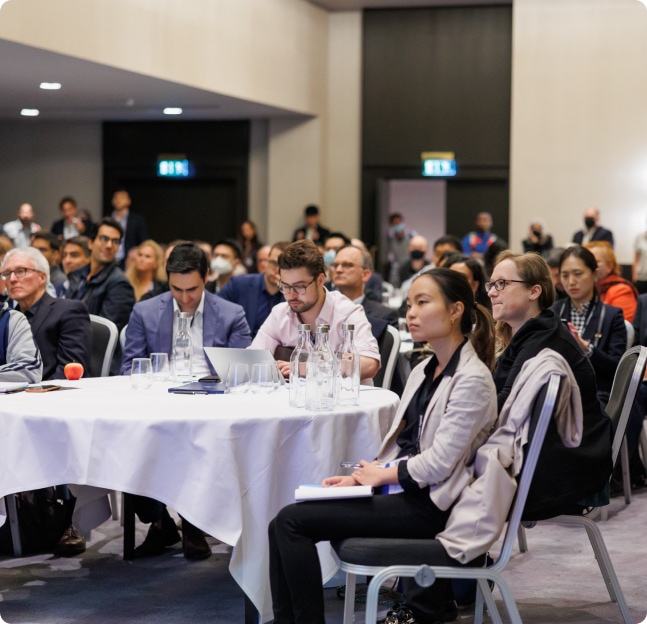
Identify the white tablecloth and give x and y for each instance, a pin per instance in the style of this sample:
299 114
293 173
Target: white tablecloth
226 463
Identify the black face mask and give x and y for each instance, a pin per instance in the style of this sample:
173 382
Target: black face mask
417 254
537 233
589 222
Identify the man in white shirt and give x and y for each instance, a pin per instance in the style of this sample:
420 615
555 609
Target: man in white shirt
152 325
20 230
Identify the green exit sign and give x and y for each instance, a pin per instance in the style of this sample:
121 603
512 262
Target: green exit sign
438 164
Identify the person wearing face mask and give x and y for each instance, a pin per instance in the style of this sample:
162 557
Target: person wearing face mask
226 262
593 230
538 241
418 248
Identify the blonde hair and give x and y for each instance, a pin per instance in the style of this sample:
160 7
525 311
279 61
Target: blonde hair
607 251
159 273
534 271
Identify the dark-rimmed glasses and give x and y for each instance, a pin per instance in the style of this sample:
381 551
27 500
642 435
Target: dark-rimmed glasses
19 273
298 290
501 284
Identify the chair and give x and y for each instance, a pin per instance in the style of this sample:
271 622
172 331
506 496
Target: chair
122 337
624 451
389 351
104 342
370 556
626 382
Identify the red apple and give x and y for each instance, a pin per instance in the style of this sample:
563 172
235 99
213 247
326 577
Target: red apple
73 370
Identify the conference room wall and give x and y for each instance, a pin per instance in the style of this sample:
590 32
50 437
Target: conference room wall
579 129
42 161
438 79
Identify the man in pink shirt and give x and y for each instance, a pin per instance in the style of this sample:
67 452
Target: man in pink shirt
302 275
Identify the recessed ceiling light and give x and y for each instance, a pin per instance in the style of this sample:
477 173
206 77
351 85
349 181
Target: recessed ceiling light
51 86
172 111
30 112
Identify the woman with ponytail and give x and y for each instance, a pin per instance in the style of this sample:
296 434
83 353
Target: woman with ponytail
447 410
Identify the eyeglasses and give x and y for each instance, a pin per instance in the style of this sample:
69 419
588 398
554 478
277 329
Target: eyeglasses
343 265
272 263
19 273
501 284
106 239
297 290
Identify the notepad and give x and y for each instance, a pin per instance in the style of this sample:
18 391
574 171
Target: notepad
318 492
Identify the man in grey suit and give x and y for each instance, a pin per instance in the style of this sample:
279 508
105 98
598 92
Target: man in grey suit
351 269
214 323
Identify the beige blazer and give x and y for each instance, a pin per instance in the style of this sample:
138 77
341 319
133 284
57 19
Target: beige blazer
457 421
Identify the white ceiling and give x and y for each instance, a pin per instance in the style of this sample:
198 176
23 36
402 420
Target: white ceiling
96 92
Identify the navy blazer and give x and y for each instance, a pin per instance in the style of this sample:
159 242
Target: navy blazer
57 227
600 234
611 345
63 334
150 328
246 291
379 317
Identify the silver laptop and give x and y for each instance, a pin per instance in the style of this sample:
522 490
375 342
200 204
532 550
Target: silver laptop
222 357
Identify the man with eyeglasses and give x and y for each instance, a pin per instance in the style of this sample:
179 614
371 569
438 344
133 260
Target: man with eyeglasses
101 284
257 293
351 269
302 275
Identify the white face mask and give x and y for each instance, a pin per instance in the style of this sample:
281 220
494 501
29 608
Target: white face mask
221 266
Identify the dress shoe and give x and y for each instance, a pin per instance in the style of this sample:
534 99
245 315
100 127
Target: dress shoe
72 543
403 615
193 542
162 533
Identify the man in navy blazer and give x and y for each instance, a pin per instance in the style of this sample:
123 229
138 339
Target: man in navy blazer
135 228
61 327
214 323
593 231
258 293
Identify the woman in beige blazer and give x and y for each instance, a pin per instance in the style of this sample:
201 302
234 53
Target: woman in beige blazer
447 410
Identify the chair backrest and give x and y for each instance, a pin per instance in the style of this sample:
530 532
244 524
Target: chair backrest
631 332
389 351
626 382
544 406
104 342
122 337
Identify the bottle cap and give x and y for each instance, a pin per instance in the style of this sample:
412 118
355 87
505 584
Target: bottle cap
348 326
183 315
323 329
303 327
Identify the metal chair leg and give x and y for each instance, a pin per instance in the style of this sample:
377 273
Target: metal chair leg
12 514
349 598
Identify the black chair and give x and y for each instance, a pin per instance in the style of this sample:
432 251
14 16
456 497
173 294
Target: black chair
389 351
383 558
104 342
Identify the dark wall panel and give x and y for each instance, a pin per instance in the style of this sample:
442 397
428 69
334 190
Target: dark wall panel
438 79
210 204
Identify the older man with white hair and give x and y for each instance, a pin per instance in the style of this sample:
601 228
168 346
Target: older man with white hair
60 327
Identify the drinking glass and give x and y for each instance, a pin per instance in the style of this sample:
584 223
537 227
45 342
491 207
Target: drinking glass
277 375
141 375
262 380
237 378
159 363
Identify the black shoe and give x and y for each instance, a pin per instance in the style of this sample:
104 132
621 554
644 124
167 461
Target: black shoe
162 533
193 542
72 543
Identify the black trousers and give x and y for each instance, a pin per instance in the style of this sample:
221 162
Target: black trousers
295 572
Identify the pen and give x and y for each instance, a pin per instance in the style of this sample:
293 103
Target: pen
189 392
350 465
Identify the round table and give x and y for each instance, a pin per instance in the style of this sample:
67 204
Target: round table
227 463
